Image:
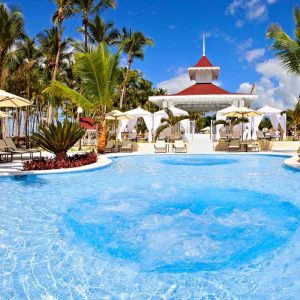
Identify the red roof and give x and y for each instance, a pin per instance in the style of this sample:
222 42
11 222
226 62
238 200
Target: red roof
204 63
87 123
203 89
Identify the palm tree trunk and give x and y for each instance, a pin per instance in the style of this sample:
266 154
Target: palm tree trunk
123 94
85 23
102 136
60 33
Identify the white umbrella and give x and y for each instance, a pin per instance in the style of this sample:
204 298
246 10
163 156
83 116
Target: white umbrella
243 112
116 116
11 100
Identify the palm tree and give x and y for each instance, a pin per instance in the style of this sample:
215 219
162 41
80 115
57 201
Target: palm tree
288 50
98 72
134 45
231 123
293 117
11 30
64 10
49 46
88 7
58 138
169 122
100 31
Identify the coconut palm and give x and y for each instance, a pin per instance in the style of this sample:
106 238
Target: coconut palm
50 46
58 138
98 72
88 7
100 31
170 122
11 30
64 10
287 49
134 46
231 123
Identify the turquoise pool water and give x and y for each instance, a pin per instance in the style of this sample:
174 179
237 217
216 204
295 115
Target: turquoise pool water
155 227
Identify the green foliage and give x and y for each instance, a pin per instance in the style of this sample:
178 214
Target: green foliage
265 123
100 31
287 49
98 73
11 30
58 138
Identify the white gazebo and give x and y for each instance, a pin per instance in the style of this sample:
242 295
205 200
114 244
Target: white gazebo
134 115
204 95
277 117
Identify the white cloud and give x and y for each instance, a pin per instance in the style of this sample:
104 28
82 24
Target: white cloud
249 10
176 84
275 87
255 54
245 45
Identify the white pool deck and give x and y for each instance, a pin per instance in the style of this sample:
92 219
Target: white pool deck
15 168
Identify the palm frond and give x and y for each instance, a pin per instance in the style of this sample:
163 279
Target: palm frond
160 129
60 90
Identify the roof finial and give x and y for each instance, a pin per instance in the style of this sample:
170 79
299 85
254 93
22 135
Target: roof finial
204 44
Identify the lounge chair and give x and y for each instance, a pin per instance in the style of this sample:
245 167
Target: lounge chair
180 147
109 147
252 145
11 147
126 146
160 147
234 145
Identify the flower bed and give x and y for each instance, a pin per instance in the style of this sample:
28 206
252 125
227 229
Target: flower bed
77 160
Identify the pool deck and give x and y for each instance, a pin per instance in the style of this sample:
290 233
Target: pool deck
15 168
293 162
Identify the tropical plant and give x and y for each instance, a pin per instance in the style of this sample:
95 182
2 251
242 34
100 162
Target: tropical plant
98 72
50 46
100 31
11 30
170 122
287 49
134 46
64 10
88 7
231 123
58 138
293 117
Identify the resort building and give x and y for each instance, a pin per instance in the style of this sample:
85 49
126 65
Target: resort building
204 95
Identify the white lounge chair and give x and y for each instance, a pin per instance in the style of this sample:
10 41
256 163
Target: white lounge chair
126 146
160 147
180 147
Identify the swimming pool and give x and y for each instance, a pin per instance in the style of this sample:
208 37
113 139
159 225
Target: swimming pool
154 227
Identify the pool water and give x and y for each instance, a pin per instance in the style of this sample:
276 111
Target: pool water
154 227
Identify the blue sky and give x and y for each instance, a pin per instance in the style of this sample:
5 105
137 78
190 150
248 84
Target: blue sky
235 30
